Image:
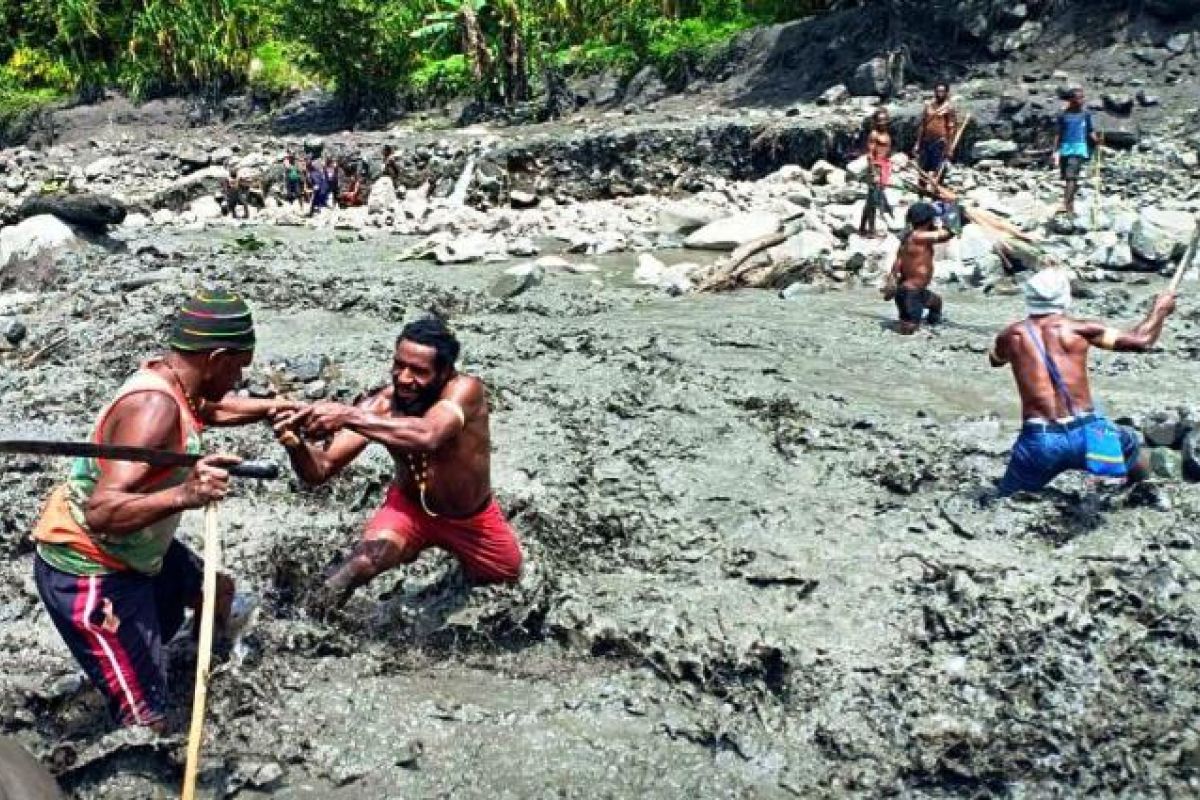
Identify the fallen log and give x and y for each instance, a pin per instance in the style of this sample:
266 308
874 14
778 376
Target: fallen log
726 273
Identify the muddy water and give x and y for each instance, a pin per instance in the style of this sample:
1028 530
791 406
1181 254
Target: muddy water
756 561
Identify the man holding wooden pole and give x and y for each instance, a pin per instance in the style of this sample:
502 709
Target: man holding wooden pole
937 134
109 570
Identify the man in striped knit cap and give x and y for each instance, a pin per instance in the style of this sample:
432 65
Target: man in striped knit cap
115 581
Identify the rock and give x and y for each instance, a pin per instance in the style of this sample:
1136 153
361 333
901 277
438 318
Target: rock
382 196
824 173
135 221
872 78
729 233
993 148
15 183
804 247
306 369
1012 102
207 207
522 199
834 95
1161 234
645 87
462 249
649 271
517 280
1120 104
14 331
523 247
191 159
858 167
164 216
1173 10
1166 463
1180 43
1147 100
685 217
177 195
33 240
1114 256
22 777
101 167
788 173
553 262
1190 451
1118 132
91 211
1061 224
1164 429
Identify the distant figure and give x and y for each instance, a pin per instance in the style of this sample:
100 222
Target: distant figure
333 181
912 273
879 172
1073 140
293 179
318 185
391 164
936 133
1061 429
234 194
352 197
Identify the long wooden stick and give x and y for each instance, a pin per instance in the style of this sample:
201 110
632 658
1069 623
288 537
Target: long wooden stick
953 148
1189 255
212 557
1096 181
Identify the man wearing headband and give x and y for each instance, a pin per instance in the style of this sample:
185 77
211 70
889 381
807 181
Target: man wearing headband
1048 353
434 422
912 273
113 578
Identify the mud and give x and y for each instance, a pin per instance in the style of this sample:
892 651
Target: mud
759 564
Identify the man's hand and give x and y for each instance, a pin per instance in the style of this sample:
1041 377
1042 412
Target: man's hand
285 424
1165 304
322 420
208 481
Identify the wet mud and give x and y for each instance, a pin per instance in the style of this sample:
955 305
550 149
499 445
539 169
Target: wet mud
761 560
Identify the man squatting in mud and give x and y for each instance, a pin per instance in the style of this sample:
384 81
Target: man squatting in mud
912 272
114 580
434 422
1048 353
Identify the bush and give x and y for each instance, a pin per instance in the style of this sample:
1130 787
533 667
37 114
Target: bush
446 77
273 69
677 47
592 57
34 68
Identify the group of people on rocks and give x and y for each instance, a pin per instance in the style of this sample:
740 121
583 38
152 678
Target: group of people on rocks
327 182
116 582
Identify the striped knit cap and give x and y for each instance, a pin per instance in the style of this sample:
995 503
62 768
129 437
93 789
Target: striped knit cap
213 320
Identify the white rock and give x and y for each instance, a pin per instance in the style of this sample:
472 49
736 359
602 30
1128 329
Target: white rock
649 271
553 262
463 249
685 217
164 216
1159 233
805 246
382 196
786 174
15 183
729 233
101 167
135 221
34 238
858 167
1117 255
205 208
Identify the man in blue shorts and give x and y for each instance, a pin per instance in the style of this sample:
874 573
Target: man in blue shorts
1073 142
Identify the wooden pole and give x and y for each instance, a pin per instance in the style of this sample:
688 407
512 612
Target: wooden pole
953 149
1189 255
1096 182
212 557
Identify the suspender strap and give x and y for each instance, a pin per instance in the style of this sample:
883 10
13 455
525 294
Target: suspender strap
1051 367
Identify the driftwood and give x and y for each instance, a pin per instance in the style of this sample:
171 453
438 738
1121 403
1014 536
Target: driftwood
726 274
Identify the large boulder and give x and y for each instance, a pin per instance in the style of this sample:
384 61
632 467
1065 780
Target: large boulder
516 280
1161 234
993 148
179 193
684 217
94 212
22 777
34 240
732 232
872 78
382 197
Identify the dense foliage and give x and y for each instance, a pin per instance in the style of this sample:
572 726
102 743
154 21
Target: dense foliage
370 51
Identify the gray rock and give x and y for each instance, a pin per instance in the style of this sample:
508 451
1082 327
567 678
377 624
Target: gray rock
92 211
1115 256
685 217
1164 429
1147 100
517 280
14 331
382 196
994 148
1161 234
872 78
1119 132
1166 463
731 232
462 250
307 369
1013 15
1180 43
834 95
35 239
522 199
1121 104
179 193
1190 452
645 87
1012 102
102 167
191 159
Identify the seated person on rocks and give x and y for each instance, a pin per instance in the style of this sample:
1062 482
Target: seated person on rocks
1061 428
912 273
434 422
352 196
114 580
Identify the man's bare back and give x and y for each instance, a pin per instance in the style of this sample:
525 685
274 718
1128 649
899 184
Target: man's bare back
915 259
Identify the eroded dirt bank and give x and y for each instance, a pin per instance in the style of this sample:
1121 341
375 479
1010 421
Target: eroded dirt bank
757 563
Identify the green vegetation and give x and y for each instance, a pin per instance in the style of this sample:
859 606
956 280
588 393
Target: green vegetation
370 51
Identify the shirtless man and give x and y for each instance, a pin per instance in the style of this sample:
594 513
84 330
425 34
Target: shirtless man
113 578
434 422
935 134
879 172
912 273
1048 353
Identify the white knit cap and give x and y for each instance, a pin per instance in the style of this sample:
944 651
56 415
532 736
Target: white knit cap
1048 292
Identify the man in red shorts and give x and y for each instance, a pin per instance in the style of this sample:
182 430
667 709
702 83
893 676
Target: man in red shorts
434 422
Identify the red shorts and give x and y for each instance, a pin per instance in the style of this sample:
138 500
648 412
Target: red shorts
484 543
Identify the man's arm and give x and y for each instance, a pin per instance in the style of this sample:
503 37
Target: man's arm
938 236
998 356
313 464
1138 340
116 507
232 410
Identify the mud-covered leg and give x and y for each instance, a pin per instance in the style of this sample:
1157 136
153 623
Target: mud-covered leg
933 308
370 558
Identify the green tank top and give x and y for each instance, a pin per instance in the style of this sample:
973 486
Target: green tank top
140 551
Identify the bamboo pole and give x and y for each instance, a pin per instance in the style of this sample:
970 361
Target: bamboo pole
1189 256
953 148
212 557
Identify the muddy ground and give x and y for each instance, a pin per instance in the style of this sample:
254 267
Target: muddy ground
760 560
